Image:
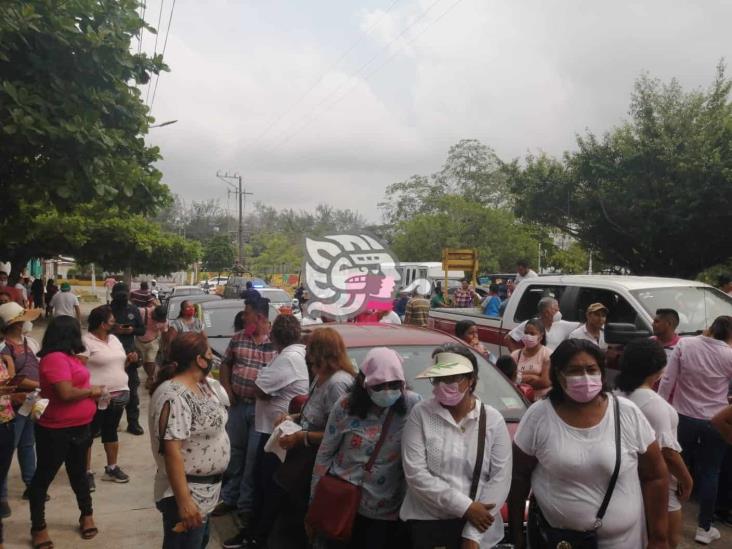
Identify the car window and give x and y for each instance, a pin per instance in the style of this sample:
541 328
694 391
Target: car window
619 310
492 387
275 295
526 308
697 306
220 321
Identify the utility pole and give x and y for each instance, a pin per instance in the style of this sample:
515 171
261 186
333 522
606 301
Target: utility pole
241 193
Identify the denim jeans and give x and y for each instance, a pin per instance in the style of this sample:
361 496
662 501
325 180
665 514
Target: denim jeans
192 539
703 449
25 442
238 488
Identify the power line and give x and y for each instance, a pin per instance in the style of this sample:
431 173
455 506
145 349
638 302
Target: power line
155 48
162 55
294 105
313 114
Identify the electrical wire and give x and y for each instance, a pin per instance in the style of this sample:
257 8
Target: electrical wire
155 48
345 54
162 55
314 114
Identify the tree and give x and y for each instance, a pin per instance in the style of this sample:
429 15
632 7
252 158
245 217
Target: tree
71 118
652 194
218 254
461 223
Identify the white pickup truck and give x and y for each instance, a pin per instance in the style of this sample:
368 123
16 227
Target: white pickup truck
631 301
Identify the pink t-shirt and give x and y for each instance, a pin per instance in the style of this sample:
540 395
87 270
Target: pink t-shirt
57 367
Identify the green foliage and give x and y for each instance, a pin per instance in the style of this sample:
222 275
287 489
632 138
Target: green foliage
218 254
274 252
653 194
463 223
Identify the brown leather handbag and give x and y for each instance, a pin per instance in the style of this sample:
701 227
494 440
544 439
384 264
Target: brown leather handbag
335 502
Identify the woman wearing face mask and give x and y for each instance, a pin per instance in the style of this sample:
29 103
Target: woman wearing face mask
20 350
377 406
186 322
189 441
565 452
456 454
641 366
533 359
105 358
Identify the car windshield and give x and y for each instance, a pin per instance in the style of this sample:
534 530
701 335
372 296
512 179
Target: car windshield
697 306
492 388
275 295
220 321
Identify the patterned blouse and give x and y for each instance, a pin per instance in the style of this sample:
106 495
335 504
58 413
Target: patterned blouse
346 448
199 422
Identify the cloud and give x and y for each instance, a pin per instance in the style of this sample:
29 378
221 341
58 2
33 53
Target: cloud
256 87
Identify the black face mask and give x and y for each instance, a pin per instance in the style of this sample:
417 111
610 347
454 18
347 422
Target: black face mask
209 365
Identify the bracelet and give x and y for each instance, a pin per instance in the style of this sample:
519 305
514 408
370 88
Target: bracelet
305 439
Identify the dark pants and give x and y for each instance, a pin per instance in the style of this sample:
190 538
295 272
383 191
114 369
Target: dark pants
724 494
267 493
7 445
374 534
56 447
107 421
192 539
133 406
702 446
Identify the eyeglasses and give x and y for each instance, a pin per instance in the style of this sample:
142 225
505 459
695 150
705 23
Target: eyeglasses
457 378
386 386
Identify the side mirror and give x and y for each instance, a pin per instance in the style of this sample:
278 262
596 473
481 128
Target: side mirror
622 333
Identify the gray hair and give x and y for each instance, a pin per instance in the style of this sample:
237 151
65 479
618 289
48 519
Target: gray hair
546 303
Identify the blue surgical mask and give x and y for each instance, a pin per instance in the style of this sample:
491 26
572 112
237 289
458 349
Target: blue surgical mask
385 398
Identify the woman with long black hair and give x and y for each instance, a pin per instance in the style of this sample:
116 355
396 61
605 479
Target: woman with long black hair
63 432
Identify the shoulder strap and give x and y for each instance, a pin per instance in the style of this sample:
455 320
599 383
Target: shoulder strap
481 453
382 438
616 472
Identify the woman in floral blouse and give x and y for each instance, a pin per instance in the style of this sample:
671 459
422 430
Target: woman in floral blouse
353 429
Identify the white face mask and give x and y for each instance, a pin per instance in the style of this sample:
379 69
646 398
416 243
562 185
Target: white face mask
27 327
557 316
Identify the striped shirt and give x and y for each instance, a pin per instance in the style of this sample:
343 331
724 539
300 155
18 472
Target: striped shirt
418 310
246 357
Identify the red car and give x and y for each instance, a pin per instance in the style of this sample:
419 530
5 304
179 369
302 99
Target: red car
415 346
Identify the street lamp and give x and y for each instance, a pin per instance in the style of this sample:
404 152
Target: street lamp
168 123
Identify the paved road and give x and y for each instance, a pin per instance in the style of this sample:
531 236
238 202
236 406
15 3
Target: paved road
125 513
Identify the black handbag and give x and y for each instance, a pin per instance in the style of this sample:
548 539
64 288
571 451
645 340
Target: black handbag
545 536
447 533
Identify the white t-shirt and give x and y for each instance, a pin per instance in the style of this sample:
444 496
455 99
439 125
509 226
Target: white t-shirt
283 379
665 421
391 318
582 333
559 332
531 273
63 304
106 362
574 467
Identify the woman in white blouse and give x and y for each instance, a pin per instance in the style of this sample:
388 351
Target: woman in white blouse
565 452
440 445
641 367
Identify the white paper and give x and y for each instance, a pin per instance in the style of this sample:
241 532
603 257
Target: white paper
287 427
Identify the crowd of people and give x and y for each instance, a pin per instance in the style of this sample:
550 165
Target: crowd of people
307 449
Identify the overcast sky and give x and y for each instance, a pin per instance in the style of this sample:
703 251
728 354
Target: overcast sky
331 100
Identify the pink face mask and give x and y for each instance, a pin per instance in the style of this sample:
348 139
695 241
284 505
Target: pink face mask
583 388
530 341
448 394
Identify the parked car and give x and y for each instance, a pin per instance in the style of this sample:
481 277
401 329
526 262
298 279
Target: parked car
167 293
218 320
172 305
415 346
631 301
236 284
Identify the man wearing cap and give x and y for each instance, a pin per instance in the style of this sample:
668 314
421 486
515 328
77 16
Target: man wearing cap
128 325
594 327
22 350
65 303
248 352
